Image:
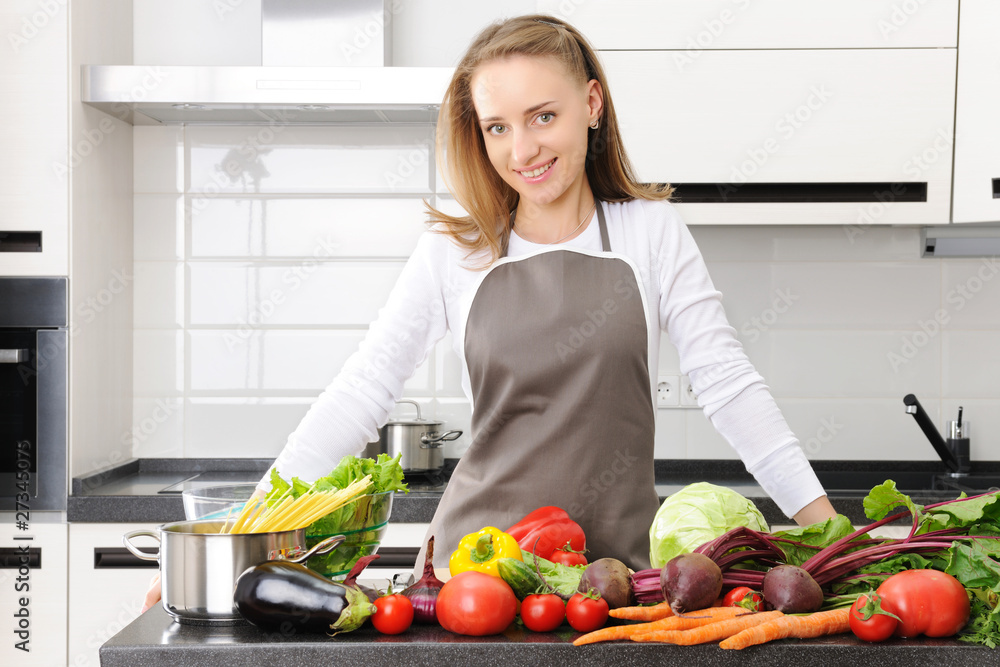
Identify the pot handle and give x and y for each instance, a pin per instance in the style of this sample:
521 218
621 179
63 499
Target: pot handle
296 555
414 404
126 540
428 441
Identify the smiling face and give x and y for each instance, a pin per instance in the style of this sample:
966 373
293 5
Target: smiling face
534 118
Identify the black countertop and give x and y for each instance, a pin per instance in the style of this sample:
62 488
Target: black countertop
154 639
132 491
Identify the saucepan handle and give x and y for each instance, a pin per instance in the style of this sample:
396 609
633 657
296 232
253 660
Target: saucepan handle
428 441
126 540
327 545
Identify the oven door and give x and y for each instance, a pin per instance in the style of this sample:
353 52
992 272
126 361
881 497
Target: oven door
33 412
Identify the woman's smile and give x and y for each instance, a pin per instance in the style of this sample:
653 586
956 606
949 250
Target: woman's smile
533 175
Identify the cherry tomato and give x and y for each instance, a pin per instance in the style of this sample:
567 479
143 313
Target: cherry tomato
927 602
869 621
743 596
566 555
393 614
543 613
586 614
473 603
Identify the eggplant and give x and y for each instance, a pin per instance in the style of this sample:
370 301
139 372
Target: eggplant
284 596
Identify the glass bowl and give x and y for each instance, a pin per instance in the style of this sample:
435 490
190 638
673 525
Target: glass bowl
363 521
216 502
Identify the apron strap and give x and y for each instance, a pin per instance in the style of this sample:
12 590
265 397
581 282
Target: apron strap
605 242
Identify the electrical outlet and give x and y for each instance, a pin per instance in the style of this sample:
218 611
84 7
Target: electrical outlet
667 391
687 397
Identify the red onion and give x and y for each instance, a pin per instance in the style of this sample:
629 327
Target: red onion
352 577
424 592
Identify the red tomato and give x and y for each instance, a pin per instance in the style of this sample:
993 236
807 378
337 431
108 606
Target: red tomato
927 602
743 596
586 614
473 603
568 557
393 614
543 613
869 621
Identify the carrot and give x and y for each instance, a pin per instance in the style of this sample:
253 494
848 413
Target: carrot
712 632
693 619
649 613
821 623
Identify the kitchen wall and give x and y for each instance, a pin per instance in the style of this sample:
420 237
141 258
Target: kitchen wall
262 252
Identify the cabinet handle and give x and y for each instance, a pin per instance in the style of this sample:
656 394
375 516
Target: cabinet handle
13 356
396 557
106 558
996 188
20 241
11 558
735 193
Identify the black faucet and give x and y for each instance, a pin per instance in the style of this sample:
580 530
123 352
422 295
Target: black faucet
954 453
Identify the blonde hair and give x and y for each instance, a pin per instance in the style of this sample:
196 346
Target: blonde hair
471 177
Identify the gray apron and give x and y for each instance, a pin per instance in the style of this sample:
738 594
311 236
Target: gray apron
556 347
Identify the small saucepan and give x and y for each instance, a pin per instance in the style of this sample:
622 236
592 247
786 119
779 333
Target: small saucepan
419 440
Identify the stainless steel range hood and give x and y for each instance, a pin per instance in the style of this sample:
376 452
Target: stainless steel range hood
228 95
323 61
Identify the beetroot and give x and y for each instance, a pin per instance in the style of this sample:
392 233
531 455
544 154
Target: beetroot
610 577
690 581
792 590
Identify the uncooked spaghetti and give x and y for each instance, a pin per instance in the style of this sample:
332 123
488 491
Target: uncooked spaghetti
288 513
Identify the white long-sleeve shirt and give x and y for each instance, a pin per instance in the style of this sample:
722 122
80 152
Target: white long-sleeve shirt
434 294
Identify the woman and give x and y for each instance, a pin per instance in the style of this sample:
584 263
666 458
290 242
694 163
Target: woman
559 334
555 287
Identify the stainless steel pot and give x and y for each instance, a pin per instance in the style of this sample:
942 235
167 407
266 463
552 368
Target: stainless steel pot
199 565
419 440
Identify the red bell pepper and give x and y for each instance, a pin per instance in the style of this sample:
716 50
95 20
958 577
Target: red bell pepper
552 528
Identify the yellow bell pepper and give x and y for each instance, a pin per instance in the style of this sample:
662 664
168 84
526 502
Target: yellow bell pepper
480 551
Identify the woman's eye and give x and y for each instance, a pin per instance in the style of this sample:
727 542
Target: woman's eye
496 129
545 117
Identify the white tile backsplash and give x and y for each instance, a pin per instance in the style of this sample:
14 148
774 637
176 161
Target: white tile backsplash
264 252
309 159
306 227
158 159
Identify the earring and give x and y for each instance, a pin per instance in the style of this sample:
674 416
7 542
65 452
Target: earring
596 124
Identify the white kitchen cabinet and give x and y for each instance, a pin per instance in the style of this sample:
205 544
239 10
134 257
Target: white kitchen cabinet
697 25
977 137
104 596
38 591
34 133
872 117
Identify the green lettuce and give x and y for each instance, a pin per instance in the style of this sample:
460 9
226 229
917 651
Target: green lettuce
362 520
696 514
818 535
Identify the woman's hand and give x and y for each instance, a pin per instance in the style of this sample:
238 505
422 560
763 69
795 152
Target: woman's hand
153 594
816 511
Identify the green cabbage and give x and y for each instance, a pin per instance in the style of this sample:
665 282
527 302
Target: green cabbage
697 514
